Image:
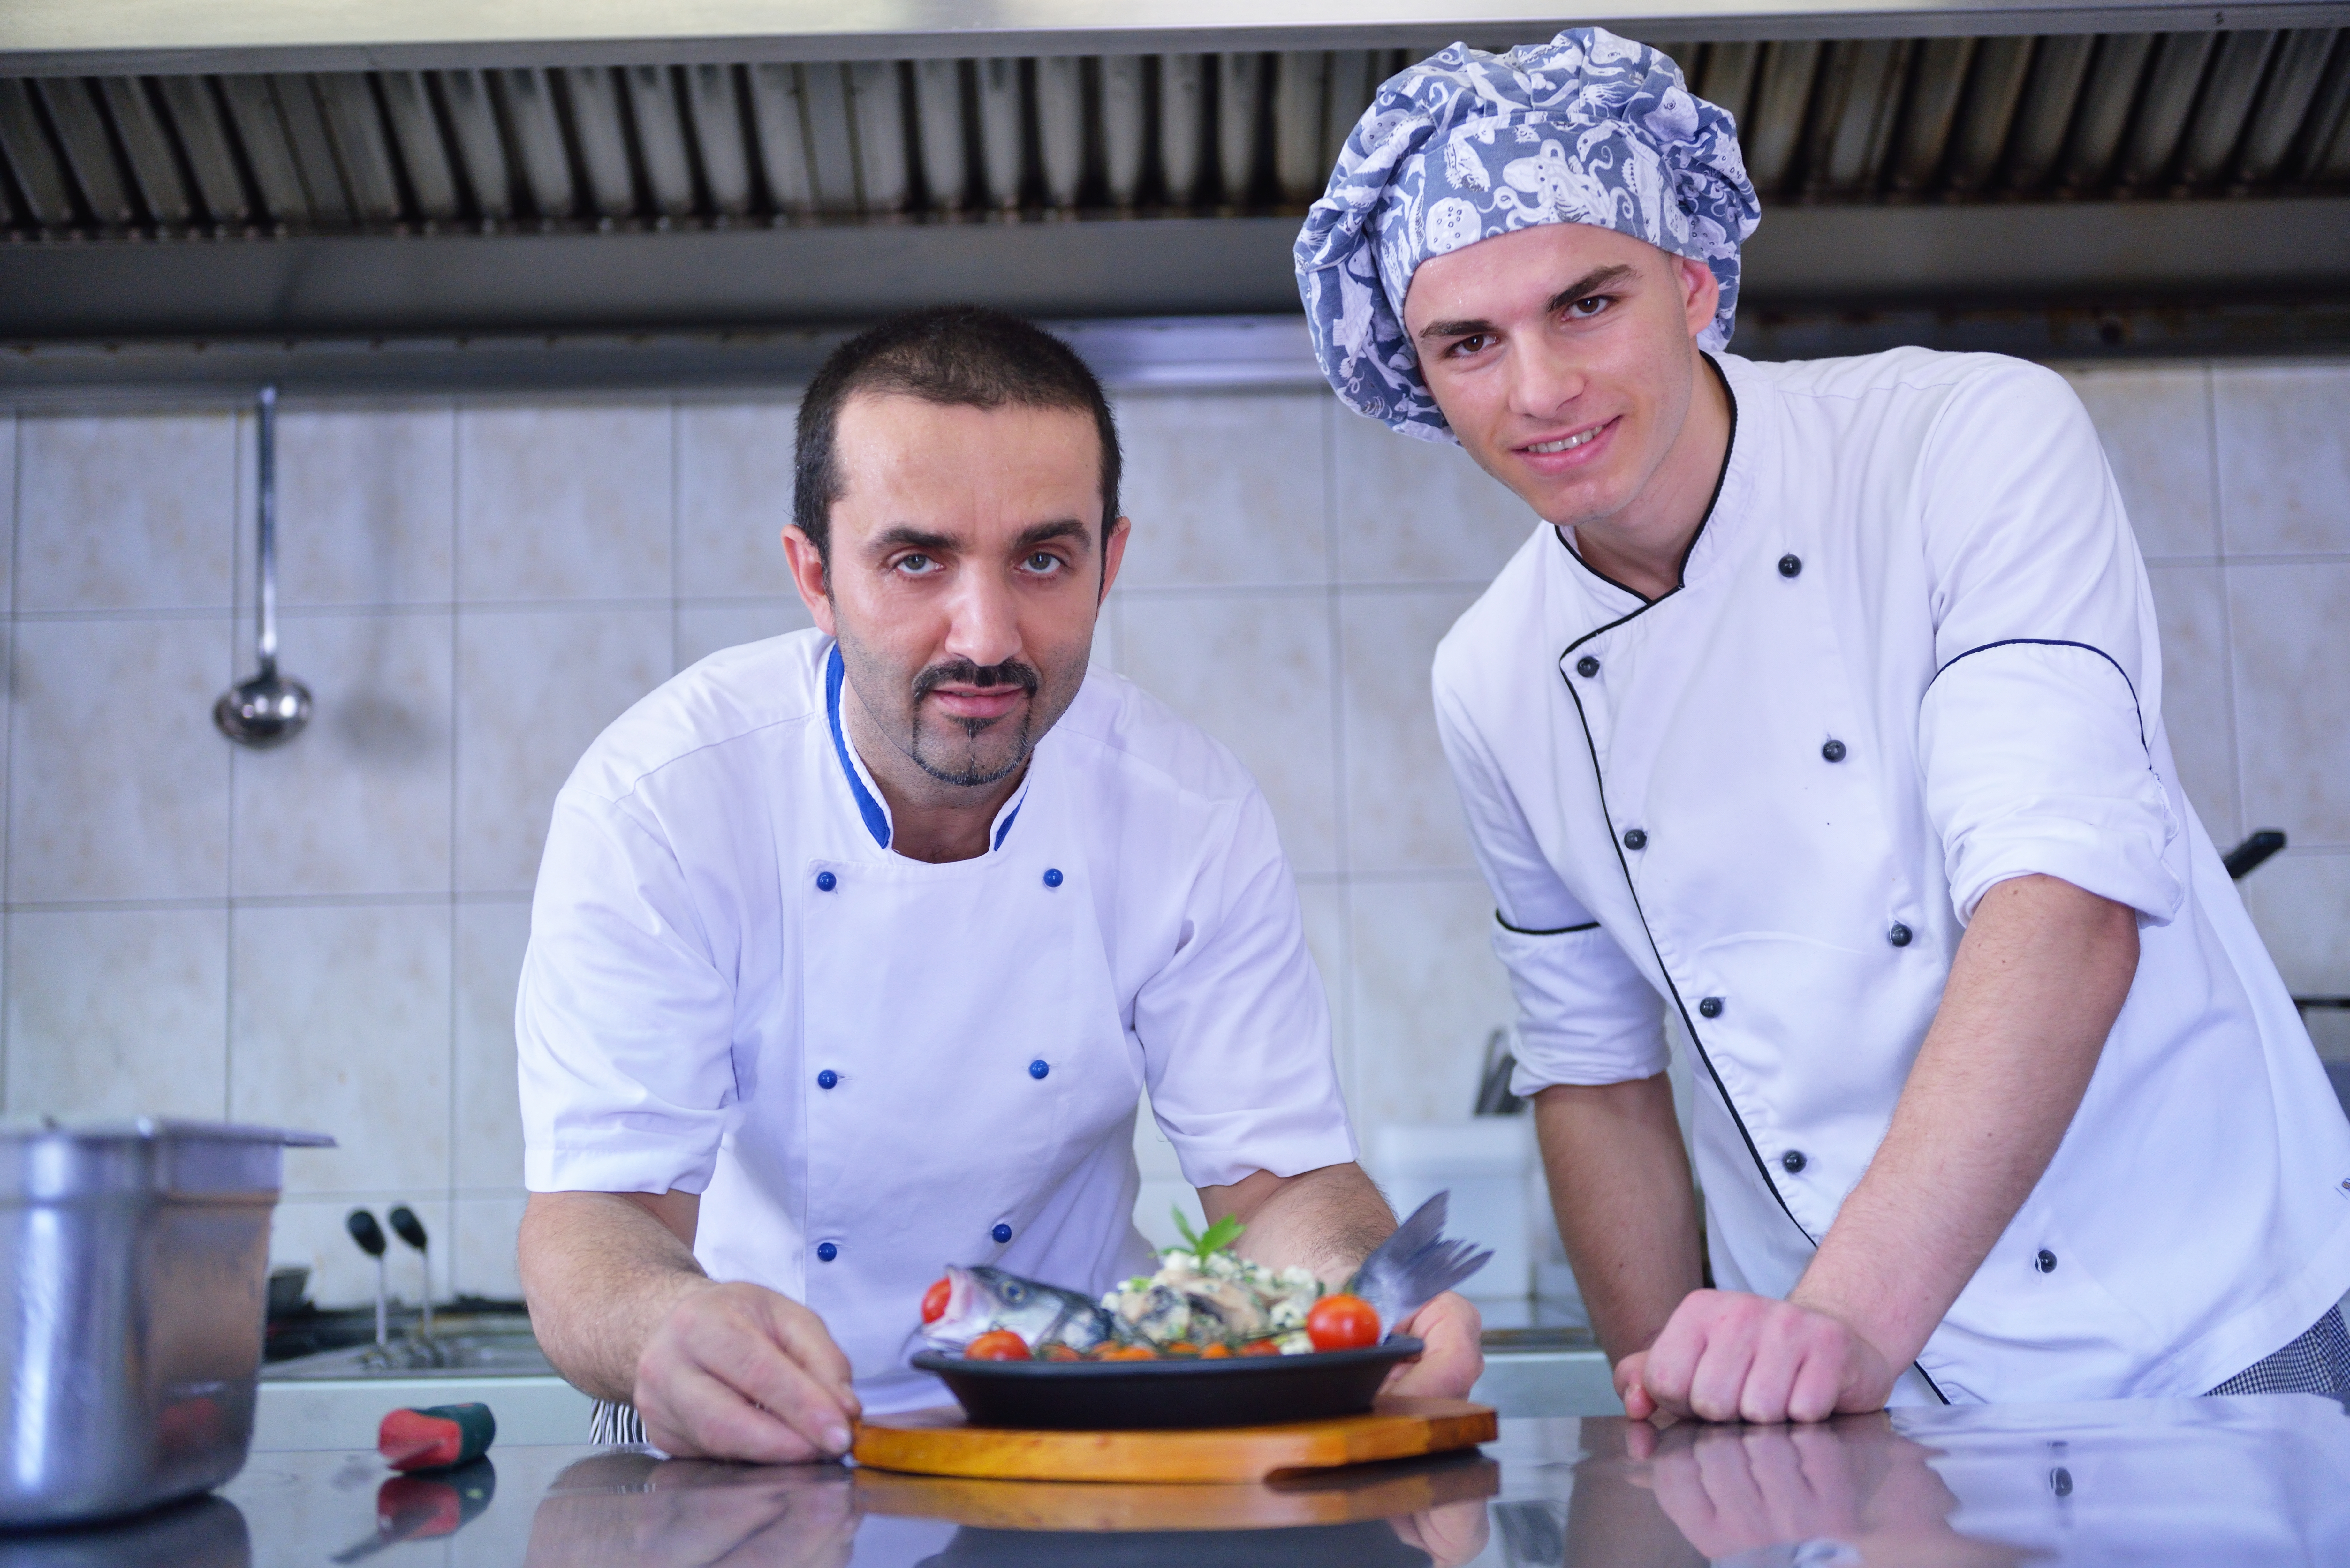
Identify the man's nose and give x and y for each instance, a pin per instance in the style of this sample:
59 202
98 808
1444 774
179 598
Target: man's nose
983 621
1545 380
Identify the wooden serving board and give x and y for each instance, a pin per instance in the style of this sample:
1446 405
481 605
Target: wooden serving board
939 1443
1391 1490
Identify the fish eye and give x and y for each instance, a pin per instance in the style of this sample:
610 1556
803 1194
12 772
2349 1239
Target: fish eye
1015 1292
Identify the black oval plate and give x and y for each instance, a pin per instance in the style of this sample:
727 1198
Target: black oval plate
1150 1396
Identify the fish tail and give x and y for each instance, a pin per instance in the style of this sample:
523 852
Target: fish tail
1416 1264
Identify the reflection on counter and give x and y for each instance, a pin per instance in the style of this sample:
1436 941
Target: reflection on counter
206 1532
631 1508
2208 1482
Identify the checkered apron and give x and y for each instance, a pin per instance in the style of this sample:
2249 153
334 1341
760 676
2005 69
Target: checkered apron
614 1426
2316 1363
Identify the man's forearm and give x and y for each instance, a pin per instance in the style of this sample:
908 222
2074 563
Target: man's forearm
1327 1220
599 1270
1619 1183
2037 983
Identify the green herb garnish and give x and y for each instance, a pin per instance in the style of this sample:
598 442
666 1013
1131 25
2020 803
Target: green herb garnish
1218 1238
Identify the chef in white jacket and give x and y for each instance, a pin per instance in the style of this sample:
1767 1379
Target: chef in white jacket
1823 708
853 950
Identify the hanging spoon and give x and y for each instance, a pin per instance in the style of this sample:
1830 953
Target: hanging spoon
266 711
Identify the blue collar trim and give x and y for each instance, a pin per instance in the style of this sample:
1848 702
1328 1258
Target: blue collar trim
877 821
1004 831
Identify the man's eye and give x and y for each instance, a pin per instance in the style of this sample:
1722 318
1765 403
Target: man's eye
1043 561
914 565
1583 309
1475 343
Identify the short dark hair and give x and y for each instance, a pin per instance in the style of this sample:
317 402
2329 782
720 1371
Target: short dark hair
950 353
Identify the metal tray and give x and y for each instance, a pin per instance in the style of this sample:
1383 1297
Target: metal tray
1152 1395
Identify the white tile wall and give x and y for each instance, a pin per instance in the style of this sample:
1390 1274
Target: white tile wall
126 511
328 935
733 498
534 688
565 502
1254 670
377 753
367 500
119 783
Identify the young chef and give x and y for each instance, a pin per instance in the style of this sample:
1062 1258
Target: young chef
853 950
1823 707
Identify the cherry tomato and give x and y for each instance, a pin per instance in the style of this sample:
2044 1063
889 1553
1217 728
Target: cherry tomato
1342 1322
1057 1352
997 1345
1215 1352
934 1302
1261 1347
1129 1353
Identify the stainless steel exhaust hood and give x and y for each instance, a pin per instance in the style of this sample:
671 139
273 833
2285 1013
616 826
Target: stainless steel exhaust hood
450 170
103 35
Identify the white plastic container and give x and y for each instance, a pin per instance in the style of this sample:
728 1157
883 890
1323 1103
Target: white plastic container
1484 1163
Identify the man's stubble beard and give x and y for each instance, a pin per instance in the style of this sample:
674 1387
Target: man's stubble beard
915 739
973 774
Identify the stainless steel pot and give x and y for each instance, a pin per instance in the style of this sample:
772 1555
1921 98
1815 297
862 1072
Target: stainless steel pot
135 1259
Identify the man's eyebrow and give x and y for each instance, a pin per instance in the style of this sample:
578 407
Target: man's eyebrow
1583 287
1046 533
1468 328
905 537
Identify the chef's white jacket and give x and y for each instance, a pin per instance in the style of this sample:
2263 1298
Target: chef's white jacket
1913 654
869 1067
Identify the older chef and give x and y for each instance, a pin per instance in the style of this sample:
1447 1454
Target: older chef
1823 707
853 950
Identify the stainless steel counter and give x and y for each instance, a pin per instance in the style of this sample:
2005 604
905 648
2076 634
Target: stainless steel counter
334 1399
2209 1481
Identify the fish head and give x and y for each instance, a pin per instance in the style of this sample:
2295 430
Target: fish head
980 1300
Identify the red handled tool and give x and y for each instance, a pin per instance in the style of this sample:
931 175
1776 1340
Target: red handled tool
439 1438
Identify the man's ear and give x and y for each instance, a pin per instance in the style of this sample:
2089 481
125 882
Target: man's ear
809 576
1700 294
1114 555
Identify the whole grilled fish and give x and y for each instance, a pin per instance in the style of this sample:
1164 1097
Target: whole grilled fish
981 1299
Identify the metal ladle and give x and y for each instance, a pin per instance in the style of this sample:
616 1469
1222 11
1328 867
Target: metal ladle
266 711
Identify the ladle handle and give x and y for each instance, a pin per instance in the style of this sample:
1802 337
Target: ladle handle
265 642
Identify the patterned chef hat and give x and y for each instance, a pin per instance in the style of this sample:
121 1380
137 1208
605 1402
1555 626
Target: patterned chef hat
1586 129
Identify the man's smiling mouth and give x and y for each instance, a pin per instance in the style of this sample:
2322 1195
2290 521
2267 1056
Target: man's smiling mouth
1567 443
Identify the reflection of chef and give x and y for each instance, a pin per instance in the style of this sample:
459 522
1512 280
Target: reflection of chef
1848 1494
629 1509
853 949
2236 1481
1826 708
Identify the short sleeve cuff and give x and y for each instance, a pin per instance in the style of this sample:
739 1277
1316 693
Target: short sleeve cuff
1585 1014
2107 860
2036 765
1229 1149
645 1165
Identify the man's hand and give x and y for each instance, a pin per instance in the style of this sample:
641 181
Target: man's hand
1725 1355
1855 1490
1451 1534
737 1371
1454 1360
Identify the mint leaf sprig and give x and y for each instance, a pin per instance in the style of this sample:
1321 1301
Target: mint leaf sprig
1219 1237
